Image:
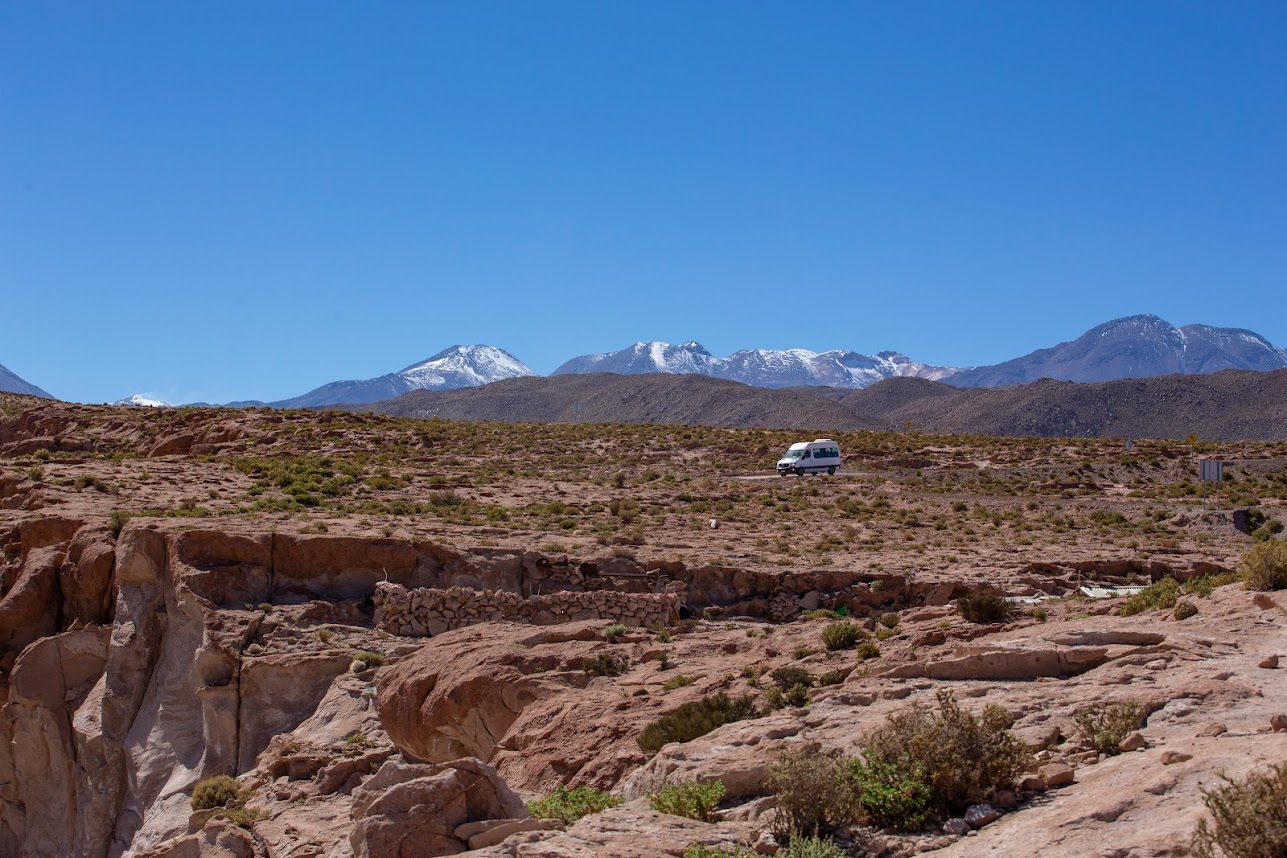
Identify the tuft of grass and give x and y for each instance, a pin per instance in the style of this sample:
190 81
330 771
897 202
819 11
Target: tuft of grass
1185 609
215 792
696 719
867 650
1248 817
842 635
369 658
679 680
889 620
612 631
569 805
1103 727
693 799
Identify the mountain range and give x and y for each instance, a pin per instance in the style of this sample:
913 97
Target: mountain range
1132 347
1229 405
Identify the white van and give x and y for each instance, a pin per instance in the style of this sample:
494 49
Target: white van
810 457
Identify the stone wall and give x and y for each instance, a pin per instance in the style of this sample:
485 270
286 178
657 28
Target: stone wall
423 611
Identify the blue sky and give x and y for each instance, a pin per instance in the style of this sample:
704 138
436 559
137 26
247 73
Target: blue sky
247 200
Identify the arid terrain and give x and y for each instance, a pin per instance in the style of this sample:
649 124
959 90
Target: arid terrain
393 632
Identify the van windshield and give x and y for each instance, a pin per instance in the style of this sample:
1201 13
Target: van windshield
793 454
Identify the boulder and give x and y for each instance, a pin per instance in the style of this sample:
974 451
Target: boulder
413 811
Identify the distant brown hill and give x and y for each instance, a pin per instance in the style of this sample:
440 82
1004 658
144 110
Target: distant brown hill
1230 405
608 398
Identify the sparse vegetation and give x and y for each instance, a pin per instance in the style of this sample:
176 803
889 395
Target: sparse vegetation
1248 817
693 799
1161 595
842 635
369 659
613 631
1264 567
216 792
1185 609
679 680
813 791
569 805
959 757
696 719
1103 727
984 608
606 664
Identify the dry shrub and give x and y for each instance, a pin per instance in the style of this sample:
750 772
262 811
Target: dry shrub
215 792
1248 818
1265 566
1104 727
813 792
842 635
963 758
984 608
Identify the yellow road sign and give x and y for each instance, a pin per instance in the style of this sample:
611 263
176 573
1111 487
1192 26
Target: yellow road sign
1193 439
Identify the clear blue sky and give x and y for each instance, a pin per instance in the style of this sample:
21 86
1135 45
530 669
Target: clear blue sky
245 200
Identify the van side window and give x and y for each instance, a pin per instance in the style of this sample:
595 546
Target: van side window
805 455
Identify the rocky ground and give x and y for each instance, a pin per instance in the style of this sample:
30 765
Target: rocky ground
188 593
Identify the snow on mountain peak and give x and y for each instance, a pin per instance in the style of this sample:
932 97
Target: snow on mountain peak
142 401
464 366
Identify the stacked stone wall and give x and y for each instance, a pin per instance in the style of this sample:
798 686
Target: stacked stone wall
424 611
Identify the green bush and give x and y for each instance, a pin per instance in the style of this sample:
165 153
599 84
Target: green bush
692 799
889 620
1248 817
1163 594
788 677
1204 585
867 650
890 795
963 758
215 792
812 790
614 631
842 635
984 608
569 805
1264 567
1103 727
696 719
1185 609
606 664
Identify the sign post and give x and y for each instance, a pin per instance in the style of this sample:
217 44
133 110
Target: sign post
1210 471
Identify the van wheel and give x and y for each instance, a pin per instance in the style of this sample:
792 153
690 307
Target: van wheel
799 472
831 472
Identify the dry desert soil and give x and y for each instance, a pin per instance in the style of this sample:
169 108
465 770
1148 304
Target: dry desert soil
393 633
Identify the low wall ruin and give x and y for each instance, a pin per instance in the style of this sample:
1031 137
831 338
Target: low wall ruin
424 611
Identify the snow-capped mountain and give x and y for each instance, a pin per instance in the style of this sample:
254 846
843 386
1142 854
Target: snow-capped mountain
1133 347
757 367
11 383
142 401
458 366
641 358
